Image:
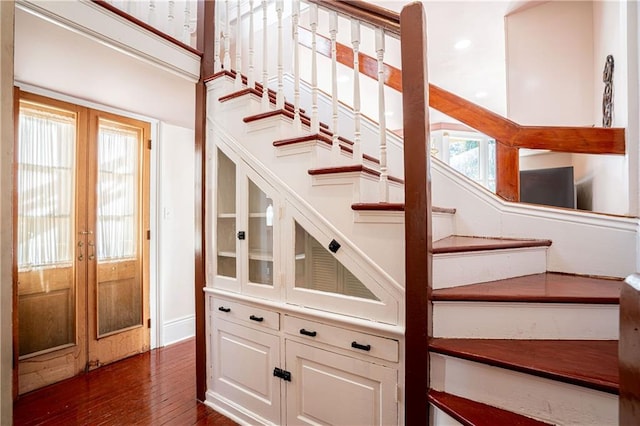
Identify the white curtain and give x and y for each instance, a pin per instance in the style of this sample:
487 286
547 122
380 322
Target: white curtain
46 160
117 192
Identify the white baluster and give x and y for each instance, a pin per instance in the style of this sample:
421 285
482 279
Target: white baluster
384 183
333 30
265 58
217 66
355 42
238 83
251 79
186 28
129 7
170 16
152 13
226 63
280 92
295 17
313 22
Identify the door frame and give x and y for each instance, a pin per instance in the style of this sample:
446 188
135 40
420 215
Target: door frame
155 300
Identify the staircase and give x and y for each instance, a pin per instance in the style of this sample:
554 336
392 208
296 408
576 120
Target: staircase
513 343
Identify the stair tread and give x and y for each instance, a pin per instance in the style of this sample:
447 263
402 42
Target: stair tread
396 207
459 243
326 137
547 287
350 169
588 363
473 413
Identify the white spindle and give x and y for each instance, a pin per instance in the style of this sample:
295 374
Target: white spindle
152 13
129 7
355 42
313 22
333 30
217 66
295 16
186 28
280 92
384 183
170 16
226 63
251 79
265 59
238 83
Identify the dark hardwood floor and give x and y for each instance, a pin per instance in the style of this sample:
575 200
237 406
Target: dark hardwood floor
155 388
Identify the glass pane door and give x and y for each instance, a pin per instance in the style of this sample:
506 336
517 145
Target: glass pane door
260 236
116 247
46 224
226 217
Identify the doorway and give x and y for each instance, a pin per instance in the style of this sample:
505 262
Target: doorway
81 263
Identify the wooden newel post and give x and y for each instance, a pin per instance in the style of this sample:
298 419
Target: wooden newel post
508 172
418 236
628 352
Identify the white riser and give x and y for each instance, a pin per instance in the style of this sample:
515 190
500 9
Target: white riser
442 223
501 320
484 266
440 418
532 396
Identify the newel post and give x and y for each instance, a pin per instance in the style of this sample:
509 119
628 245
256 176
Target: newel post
628 350
508 172
418 236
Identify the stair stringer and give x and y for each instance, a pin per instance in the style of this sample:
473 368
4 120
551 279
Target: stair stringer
583 242
352 255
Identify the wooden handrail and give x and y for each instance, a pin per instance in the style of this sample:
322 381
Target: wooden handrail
629 344
363 11
510 136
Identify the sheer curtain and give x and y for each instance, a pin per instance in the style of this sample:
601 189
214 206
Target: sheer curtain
46 173
117 191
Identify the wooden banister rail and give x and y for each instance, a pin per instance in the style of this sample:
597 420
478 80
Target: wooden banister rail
628 350
366 12
510 136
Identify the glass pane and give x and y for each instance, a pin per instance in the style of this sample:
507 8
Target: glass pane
260 236
318 269
226 227
45 184
118 216
464 156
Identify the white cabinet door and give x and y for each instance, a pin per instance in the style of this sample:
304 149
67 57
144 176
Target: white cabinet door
243 363
327 388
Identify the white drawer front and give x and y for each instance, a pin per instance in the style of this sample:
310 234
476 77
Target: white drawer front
359 343
251 315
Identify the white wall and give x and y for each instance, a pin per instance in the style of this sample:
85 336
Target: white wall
549 51
6 189
55 58
176 268
68 63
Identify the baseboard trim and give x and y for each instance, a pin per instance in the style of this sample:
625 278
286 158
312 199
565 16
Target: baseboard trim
179 329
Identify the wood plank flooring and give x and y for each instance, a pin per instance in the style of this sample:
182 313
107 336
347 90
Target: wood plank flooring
154 388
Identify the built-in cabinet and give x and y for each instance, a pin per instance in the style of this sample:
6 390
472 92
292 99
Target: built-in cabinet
277 351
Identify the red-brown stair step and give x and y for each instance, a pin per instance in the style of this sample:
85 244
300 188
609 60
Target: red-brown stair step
588 363
547 287
472 413
459 243
350 169
399 207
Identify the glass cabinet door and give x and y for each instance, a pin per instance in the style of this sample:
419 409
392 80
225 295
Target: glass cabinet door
260 236
226 218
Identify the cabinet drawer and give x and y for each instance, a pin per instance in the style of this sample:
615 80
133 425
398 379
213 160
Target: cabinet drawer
251 315
354 341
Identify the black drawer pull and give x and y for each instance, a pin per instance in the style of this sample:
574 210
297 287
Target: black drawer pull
223 309
357 345
308 333
255 318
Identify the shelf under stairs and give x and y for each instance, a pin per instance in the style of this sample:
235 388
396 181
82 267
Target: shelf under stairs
513 343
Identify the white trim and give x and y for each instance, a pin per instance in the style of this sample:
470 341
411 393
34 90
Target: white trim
105 27
178 329
154 212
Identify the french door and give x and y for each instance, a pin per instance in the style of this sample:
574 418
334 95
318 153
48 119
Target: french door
81 255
